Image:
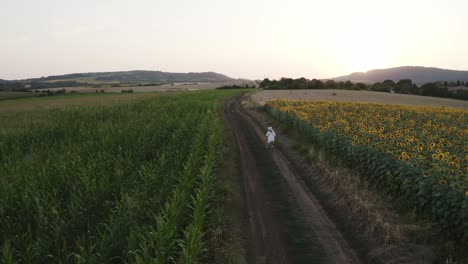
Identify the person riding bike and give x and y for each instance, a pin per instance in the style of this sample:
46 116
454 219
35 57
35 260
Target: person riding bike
270 137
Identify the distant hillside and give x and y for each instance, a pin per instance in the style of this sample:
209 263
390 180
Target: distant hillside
137 77
419 75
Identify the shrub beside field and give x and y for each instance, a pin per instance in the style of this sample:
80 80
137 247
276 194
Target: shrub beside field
130 182
413 153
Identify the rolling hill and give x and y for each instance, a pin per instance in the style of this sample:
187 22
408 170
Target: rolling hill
419 75
137 77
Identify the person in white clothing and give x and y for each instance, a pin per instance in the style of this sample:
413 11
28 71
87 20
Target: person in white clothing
270 137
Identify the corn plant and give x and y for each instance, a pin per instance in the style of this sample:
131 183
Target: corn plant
127 182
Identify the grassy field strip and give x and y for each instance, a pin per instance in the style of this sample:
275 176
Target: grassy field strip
41 103
4 95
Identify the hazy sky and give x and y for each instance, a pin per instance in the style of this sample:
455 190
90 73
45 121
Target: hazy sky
240 38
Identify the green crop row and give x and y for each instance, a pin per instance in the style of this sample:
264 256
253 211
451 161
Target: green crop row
126 183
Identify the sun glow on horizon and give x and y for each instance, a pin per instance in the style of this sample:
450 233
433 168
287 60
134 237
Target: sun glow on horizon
361 57
243 39
365 42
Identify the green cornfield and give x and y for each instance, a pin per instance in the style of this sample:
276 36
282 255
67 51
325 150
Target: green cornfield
132 182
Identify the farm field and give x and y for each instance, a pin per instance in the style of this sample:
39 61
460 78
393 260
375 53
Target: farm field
357 96
133 178
409 152
114 178
59 101
22 112
160 88
15 95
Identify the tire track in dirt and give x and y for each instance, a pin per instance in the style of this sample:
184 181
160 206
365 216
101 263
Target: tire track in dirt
336 247
267 244
325 231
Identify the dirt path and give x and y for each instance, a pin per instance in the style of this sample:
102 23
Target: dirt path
267 240
267 245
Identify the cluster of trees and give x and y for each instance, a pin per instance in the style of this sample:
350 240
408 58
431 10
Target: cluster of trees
50 92
151 84
23 86
235 86
406 86
12 86
127 84
58 84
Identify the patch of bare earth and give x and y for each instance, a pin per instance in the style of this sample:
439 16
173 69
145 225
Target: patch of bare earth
357 96
265 241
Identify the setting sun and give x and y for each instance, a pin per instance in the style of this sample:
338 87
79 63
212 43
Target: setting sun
358 56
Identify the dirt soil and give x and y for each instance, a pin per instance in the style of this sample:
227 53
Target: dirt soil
265 241
268 232
358 96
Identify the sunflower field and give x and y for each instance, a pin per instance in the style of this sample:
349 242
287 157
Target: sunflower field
415 153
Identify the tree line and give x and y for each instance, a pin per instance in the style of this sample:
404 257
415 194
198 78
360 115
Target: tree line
405 86
12 86
235 86
22 86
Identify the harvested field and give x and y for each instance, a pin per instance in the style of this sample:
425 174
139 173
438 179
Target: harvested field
158 88
357 96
